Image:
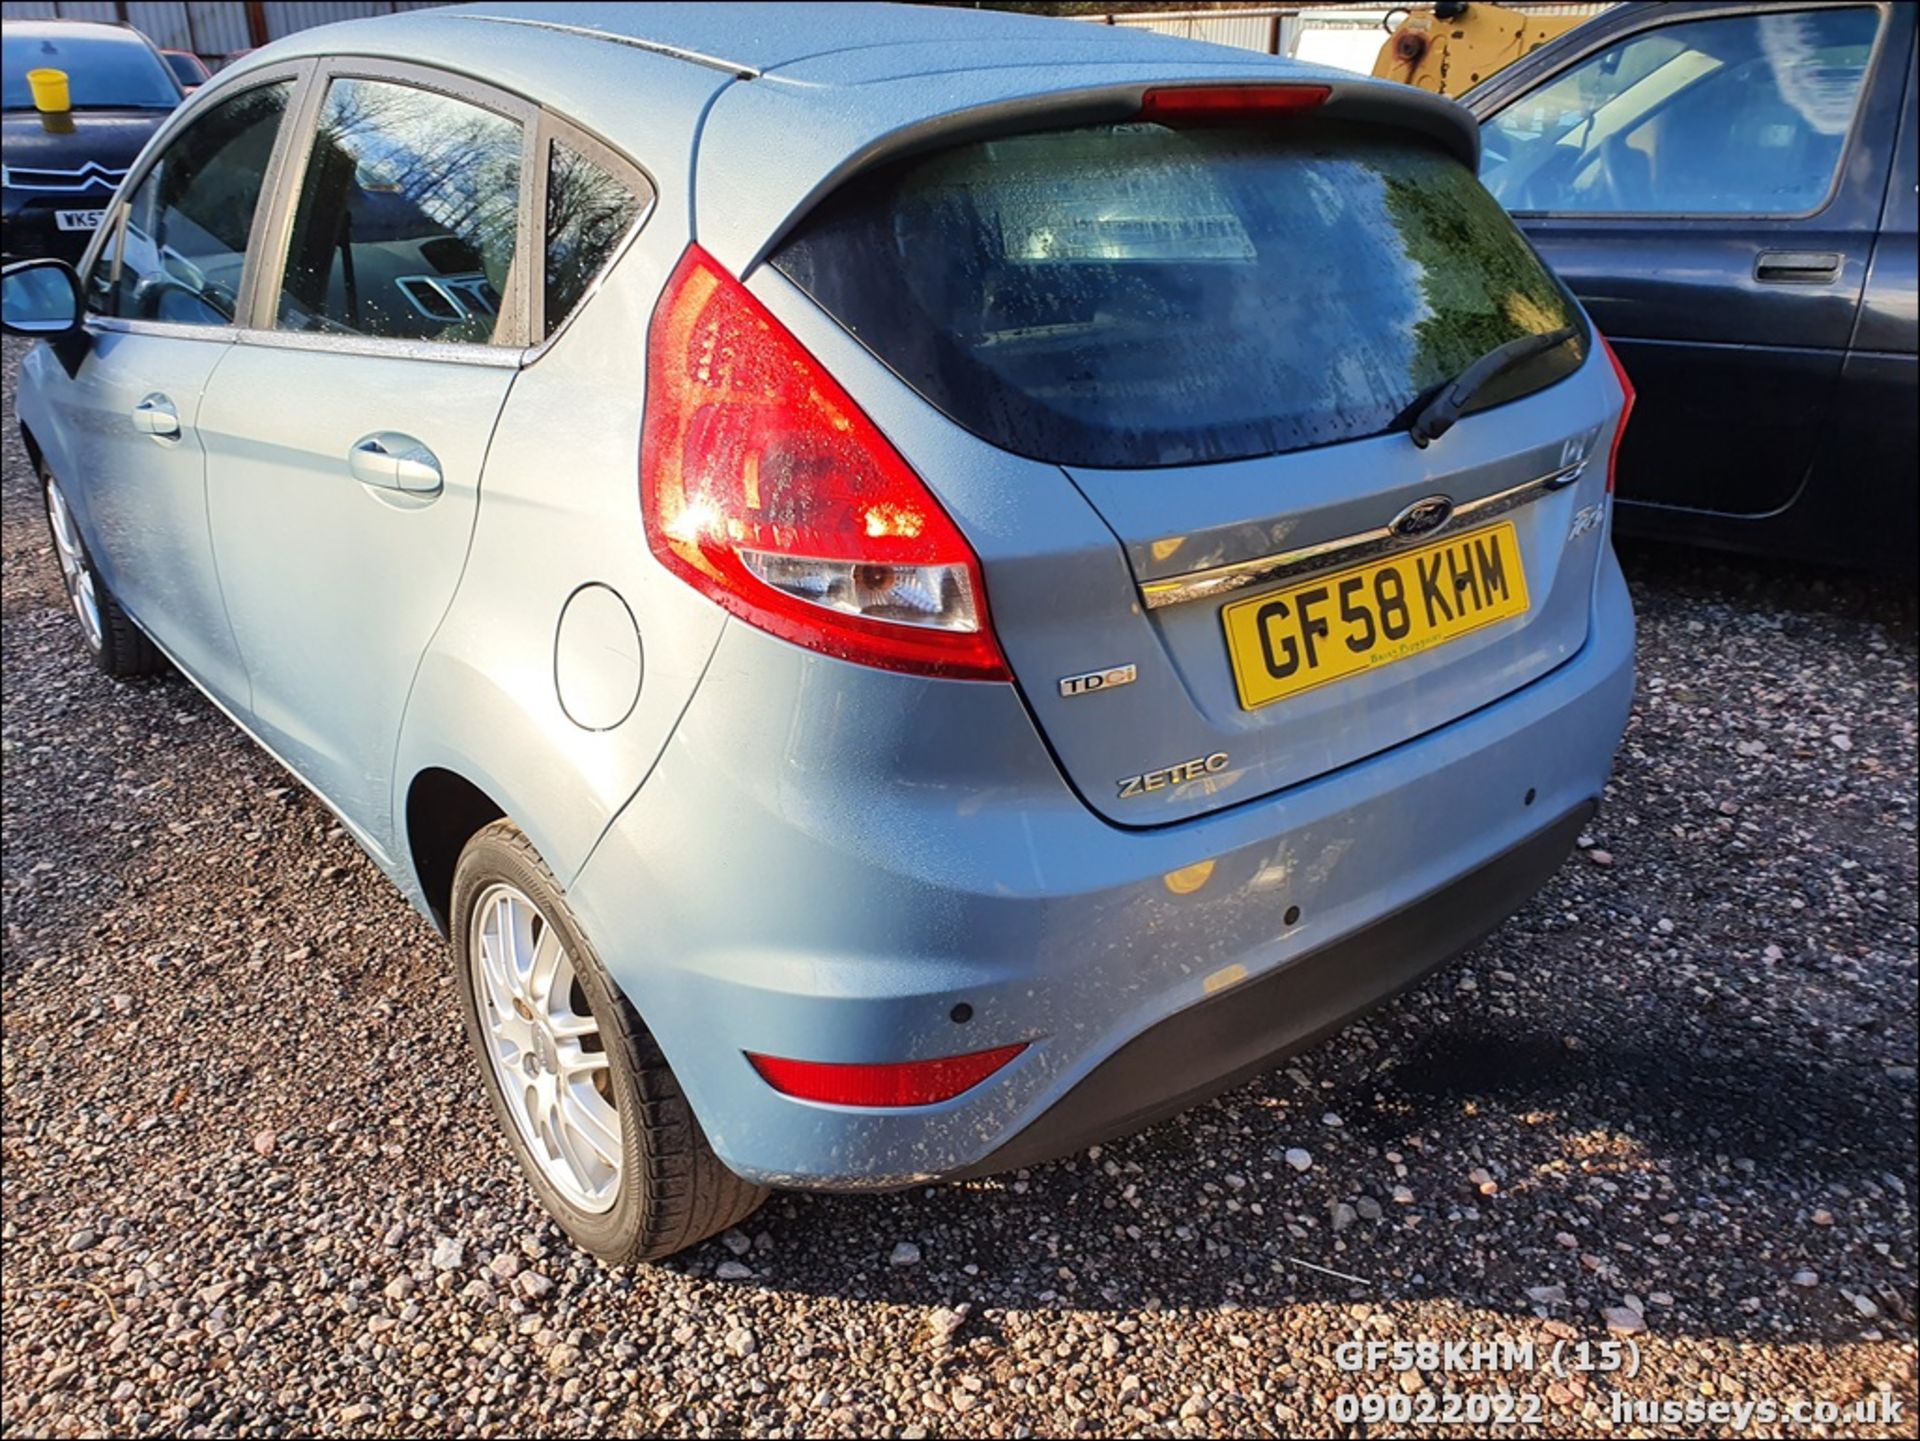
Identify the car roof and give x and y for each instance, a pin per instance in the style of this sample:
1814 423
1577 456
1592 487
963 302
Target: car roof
756 37
22 30
741 39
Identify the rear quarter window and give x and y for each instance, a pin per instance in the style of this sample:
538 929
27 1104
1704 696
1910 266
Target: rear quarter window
590 211
1135 295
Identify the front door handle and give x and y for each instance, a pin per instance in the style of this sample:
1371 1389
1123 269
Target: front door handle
394 461
1796 267
155 415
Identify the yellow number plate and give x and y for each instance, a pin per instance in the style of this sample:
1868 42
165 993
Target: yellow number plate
1338 625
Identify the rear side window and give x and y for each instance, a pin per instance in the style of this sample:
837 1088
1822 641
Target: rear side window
408 217
1134 295
589 212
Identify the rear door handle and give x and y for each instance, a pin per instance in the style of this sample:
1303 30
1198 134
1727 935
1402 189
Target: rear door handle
155 415
394 461
1796 267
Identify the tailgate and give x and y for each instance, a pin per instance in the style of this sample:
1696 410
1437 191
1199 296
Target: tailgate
1217 335
1242 618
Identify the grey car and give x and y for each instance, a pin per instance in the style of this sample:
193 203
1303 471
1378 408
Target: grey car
912 589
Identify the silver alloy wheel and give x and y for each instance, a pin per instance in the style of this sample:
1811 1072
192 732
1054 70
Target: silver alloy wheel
545 1047
75 573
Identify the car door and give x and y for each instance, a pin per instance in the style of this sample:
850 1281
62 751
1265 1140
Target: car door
161 299
1693 180
1866 475
346 433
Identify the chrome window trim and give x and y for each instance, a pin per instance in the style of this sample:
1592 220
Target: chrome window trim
90 257
1282 565
261 305
160 329
380 347
632 174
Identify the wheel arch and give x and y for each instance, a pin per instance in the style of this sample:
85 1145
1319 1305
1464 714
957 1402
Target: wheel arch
444 810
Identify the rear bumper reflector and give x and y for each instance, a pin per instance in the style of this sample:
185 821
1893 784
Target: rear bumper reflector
895 1083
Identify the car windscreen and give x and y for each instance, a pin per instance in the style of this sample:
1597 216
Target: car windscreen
104 72
1134 295
187 69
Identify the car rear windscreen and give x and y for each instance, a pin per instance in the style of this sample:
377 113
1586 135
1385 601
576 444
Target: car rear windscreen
1133 295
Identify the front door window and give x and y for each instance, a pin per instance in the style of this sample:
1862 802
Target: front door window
181 252
1741 115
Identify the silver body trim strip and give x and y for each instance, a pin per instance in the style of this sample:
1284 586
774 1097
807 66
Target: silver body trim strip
657 47
1286 564
449 352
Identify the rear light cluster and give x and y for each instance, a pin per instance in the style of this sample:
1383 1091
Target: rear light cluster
765 488
897 1083
1626 409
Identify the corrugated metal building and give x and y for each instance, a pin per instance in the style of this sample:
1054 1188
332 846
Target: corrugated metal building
1270 30
213 29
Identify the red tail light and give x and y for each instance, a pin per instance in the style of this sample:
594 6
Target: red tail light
903 1083
765 488
1626 408
1226 104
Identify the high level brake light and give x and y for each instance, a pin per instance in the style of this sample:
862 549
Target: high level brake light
767 489
1626 409
1227 104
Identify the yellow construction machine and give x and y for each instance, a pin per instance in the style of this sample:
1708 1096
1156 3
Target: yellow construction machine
1451 46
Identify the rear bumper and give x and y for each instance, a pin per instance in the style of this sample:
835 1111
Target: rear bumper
826 862
1230 1038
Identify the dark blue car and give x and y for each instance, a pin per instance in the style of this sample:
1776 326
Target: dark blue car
1730 190
62 169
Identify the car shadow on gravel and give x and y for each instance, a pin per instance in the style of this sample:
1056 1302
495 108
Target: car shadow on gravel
1677 1136
1830 1119
1802 589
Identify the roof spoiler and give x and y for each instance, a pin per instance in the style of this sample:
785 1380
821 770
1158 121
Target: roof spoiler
1347 97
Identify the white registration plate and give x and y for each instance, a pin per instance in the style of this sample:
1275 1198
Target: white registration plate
78 219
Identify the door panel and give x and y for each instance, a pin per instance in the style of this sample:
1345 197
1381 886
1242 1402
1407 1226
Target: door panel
1692 182
161 299
344 448
335 584
143 495
1734 375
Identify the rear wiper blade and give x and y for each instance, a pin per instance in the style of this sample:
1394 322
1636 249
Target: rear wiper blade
1437 416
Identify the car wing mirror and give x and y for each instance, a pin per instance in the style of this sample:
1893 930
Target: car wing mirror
41 298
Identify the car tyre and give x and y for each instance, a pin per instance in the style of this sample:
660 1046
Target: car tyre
117 645
669 1190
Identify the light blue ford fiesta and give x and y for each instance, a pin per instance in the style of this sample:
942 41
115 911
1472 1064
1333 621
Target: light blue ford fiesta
914 589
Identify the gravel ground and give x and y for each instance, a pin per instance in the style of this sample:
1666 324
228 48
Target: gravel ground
251 1186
